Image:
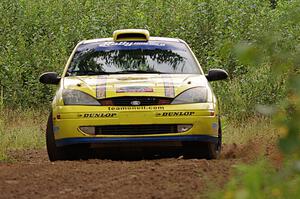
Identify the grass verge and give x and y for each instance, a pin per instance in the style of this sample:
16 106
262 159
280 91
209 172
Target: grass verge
254 128
21 129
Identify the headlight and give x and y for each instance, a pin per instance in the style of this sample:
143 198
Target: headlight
193 95
76 97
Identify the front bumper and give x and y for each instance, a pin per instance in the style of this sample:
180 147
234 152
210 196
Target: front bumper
98 140
67 121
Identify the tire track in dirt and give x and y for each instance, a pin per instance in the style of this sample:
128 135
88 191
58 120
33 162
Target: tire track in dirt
31 175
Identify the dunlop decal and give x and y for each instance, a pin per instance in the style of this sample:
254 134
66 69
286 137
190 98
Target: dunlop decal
174 114
169 87
101 88
98 115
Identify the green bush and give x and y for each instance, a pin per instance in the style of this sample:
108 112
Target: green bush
281 51
38 36
262 181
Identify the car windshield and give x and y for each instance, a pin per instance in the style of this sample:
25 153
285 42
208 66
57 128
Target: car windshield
132 57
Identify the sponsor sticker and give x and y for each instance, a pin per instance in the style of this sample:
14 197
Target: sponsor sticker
169 87
134 89
101 88
175 114
98 115
135 108
129 45
107 44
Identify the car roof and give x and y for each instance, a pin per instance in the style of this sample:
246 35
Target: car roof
150 39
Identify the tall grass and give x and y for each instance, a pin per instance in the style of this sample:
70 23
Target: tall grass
21 130
1 97
258 128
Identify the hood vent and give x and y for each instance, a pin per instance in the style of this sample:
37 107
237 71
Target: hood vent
131 35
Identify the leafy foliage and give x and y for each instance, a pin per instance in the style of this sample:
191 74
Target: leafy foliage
263 181
38 36
281 51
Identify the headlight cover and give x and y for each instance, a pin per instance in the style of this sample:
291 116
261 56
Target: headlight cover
193 95
76 97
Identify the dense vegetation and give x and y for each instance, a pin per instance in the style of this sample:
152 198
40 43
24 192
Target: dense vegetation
38 36
282 51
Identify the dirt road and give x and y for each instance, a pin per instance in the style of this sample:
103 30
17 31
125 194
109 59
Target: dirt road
31 175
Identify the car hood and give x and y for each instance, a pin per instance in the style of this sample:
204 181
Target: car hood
117 85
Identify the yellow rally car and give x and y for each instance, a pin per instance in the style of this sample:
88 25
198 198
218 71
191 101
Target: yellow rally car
133 90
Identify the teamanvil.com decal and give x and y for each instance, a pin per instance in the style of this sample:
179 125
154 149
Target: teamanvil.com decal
135 108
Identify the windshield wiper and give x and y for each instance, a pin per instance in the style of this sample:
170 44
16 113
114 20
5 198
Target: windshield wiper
137 71
82 73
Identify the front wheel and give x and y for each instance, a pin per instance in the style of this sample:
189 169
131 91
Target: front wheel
214 149
54 153
207 150
62 153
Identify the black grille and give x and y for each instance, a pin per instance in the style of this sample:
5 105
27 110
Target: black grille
136 129
141 101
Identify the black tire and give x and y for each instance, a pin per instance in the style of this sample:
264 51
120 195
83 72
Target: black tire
207 150
54 153
214 149
219 143
200 150
73 152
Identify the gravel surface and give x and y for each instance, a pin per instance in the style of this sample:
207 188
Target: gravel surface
31 175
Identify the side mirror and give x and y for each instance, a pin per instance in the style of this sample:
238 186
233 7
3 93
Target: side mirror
50 78
216 74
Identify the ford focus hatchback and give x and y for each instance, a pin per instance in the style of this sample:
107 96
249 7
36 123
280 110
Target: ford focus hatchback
133 90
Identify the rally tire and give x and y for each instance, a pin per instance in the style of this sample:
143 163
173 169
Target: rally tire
73 152
219 143
214 149
54 153
199 150
206 150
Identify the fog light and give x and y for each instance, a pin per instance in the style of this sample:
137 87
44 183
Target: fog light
88 129
212 112
183 127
